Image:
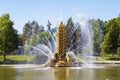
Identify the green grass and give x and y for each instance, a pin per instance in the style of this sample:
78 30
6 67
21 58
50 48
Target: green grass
100 58
1 58
18 57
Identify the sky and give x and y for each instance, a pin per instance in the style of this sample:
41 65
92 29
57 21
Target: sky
22 11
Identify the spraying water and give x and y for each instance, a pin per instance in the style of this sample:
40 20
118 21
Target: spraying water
48 49
42 51
87 42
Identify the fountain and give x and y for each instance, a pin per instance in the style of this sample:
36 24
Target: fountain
56 53
61 57
87 43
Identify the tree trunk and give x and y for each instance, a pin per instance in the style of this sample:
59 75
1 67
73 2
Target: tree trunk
4 57
4 53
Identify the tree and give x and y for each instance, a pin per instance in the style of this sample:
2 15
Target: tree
77 39
97 26
27 31
49 25
30 29
73 37
35 27
40 38
111 42
69 32
8 35
49 28
20 39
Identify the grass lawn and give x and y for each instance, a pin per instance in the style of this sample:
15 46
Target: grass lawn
18 57
100 58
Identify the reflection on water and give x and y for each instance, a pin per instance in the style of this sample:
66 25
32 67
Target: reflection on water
60 73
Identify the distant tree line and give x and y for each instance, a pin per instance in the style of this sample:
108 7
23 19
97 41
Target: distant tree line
106 35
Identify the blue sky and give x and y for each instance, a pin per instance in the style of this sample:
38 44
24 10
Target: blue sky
22 11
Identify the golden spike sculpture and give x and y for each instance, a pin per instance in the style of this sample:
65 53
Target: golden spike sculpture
61 40
61 57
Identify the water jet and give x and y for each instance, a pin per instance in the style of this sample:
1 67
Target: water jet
61 57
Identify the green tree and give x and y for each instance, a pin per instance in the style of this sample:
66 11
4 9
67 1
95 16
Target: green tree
97 26
39 38
35 27
77 39
111 42
20 39
27 31
44 37
30 29
69 32
8 35
73 37
49 25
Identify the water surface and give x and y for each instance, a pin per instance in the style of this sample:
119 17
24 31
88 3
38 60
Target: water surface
35 72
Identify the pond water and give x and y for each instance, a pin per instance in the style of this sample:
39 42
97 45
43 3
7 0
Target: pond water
35 72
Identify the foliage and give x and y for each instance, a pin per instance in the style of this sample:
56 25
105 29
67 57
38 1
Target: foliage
8 35
111 42
49 25
97 26
118 51
33 34
77 39
44 37
20 39
31 28
73 36
41 37
69 32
